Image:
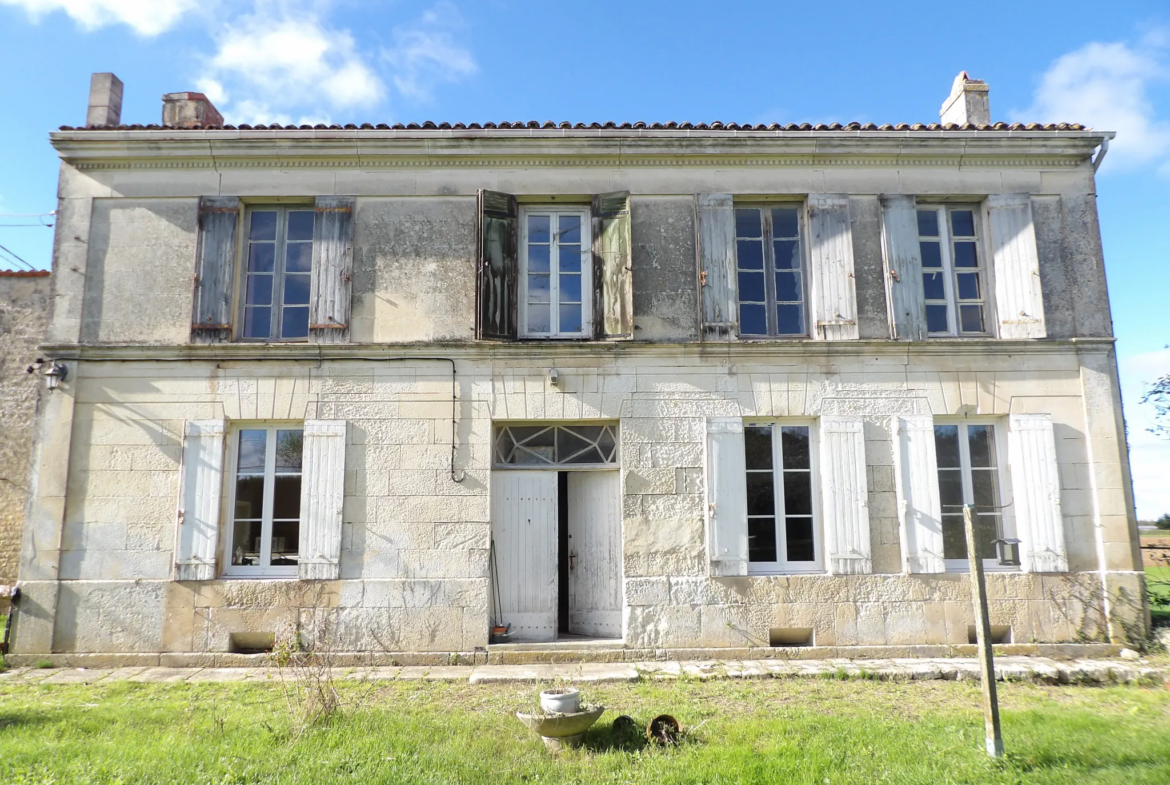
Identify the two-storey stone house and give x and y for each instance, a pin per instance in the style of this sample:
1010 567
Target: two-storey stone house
661 386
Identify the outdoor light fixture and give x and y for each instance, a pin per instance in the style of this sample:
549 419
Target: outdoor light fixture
554 378
1007 552
53 371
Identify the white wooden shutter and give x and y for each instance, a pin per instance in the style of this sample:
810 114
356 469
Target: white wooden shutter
844 504
727 534
1018 302
1036 492
718 292
332 270
919 506
322 496
903 267
834 296
201 481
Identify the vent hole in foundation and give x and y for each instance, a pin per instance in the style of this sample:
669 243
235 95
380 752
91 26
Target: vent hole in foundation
1000 633
790 636
251 642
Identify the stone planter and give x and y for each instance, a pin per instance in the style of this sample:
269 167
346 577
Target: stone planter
561 700
562 730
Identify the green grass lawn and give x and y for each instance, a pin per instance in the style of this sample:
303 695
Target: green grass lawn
765 731
1158 587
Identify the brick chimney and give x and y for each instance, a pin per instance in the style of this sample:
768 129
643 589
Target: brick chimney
189 110
105 100
967 103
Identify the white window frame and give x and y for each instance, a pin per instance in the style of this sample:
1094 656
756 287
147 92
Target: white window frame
554 271
770 302
950 272
277 306
265 570
782 566
1002 476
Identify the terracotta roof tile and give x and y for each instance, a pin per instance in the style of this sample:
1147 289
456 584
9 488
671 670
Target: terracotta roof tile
24 273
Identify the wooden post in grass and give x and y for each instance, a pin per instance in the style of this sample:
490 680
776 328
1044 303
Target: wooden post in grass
983 638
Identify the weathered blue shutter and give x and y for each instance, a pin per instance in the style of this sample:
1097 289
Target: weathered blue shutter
613 268
329 301
903 267
497 270
715 238
215 267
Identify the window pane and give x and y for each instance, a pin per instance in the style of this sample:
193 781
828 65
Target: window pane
538 318
965 255
289 445
954 538
986 494
246 544
798 536
971 318
538 256
259 290
570 259
934 286
946 445
748 222
788 288
570 318
982 446
570 288
797 493
539 289
931 254
298 257
751 287
928 223
286 497
761 539
790 320
785 222
256 322
263 225
757 442
761 497
794 446
787 254
538 229
296 290
963 223
300 225
950 489
250 496
253 445
753 320
296 323
570 444
570 229
969 286
986 532
749 254
261 257
285 542
936 319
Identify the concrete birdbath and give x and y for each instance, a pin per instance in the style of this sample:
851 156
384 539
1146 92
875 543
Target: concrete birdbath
562 730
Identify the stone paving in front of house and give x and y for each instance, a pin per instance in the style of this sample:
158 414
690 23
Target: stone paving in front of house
1008 668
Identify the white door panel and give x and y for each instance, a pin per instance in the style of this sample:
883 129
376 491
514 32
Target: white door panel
595 554
524 531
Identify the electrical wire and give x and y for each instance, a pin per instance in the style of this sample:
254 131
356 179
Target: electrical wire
17 258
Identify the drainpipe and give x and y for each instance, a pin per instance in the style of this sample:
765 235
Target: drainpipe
1101 154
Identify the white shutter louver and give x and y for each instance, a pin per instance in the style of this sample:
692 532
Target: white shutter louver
834 296
718 298
1018 301
844 502
199 498
1036 492
332 270
903 267
727 535
919 506
322 497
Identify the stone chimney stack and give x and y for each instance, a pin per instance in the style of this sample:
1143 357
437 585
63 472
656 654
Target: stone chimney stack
189 110
967 103
105 100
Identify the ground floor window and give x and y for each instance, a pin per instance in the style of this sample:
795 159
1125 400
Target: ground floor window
969 473
782 531
265 502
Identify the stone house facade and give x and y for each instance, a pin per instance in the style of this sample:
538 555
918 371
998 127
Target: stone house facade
654 386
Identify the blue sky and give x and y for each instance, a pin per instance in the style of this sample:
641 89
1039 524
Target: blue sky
352 60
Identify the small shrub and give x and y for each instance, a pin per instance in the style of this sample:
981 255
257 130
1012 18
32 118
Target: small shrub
305 661
1163 522
43 664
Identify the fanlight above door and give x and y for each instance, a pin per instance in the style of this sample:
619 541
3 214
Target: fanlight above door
556 445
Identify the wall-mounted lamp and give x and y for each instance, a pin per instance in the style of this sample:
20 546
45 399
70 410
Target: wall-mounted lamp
53 371
1007 552
554 378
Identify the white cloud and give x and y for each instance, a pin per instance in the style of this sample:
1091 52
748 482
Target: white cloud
1107 86
145 17
1149 455
426 54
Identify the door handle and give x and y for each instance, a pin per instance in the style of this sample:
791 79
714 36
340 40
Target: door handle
572 560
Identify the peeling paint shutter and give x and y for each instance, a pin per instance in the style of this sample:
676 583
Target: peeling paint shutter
919 506
215 267
727 534
613 267
834 296
1036 491
903 262
199 499
497 270
329 301
716 248
843 495
322 497
1018 302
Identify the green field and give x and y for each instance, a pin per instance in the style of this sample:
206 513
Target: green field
1158 588
765 731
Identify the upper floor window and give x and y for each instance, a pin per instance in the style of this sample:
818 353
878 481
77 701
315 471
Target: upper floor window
278 257
969 473
264 536
782 531
770 271
555 273
954 279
